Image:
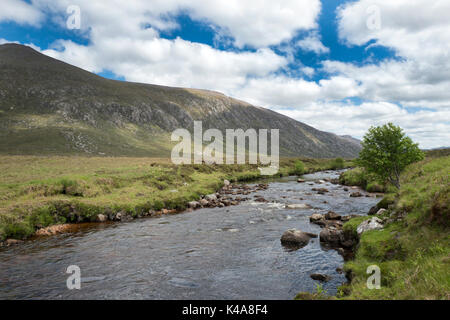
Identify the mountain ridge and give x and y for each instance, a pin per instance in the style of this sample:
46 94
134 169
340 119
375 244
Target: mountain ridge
51 107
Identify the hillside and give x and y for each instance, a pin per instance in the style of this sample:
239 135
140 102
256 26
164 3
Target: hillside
48 107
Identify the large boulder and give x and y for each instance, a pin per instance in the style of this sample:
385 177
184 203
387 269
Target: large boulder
295 237
371 224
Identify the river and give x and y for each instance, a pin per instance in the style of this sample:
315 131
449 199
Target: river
214 253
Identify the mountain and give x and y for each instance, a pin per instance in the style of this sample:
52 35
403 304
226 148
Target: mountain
50 107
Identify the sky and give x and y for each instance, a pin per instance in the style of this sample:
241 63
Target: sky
339 66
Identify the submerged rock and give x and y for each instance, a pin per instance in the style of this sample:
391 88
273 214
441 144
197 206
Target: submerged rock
320 277
356 194
298 206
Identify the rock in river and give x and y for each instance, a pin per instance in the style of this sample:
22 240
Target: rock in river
320 277
316 217
331 215
298 206
295 237
332 236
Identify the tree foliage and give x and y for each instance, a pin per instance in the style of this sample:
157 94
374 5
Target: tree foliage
387 151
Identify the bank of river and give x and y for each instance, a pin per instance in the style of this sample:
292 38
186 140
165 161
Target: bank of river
213 253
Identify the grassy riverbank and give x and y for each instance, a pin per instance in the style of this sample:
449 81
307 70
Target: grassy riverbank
413 249
37 192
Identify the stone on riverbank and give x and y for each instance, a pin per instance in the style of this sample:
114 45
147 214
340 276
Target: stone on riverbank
371 224
102 218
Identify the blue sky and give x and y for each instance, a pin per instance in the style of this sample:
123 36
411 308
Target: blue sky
340 66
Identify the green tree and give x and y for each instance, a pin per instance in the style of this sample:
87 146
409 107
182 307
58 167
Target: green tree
387 151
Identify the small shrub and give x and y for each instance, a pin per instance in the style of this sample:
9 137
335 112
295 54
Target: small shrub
338 163
299 168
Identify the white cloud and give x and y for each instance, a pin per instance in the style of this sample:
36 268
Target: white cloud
313 43
171 62
429 128
256 23
20 12
419 33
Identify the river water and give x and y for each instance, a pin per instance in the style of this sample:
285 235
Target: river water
215 253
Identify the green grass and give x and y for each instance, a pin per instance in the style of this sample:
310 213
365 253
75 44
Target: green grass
36 192
359 177
413 250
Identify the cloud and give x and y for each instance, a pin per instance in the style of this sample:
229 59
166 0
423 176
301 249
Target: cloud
255 23
429 128
313 43
20 12
420 36
171 62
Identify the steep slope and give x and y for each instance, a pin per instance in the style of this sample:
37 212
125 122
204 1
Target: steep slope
50 107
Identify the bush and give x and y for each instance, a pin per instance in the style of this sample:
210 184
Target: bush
354 177
299 168
338 163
